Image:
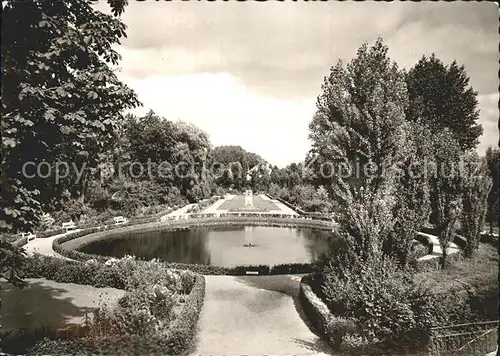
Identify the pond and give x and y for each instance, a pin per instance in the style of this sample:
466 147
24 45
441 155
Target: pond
222 247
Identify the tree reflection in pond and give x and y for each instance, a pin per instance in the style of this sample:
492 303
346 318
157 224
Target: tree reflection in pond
219 246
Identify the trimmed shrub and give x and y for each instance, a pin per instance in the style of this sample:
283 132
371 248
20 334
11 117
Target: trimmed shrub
67 271
20 242
390 311
49 233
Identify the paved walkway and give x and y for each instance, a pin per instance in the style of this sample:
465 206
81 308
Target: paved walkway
43 246
254 315
214 208
436 247
177 213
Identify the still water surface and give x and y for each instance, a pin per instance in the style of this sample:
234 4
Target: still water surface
219 246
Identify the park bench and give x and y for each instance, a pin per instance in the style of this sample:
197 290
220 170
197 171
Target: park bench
252 272
29 236
70 225
120 220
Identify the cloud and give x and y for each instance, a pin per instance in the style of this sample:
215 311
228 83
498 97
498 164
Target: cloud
238 69
232 115
489 116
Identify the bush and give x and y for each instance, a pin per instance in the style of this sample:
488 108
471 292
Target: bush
49 233
292 268
20 242
184 327
419 250
389 309
67 271
143 322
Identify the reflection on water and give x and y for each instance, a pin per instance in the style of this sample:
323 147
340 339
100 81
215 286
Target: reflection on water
221 246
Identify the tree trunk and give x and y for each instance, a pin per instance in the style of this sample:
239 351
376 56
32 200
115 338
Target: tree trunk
444 257
84 186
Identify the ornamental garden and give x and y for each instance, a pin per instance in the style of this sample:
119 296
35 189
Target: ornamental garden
382 241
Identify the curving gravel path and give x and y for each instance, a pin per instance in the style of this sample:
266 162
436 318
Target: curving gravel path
254 315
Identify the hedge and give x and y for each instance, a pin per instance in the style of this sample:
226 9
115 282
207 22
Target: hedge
20 242
49 233
316 311
68 271
184 327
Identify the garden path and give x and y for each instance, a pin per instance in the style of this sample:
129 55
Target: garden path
436 248
254 315
43 246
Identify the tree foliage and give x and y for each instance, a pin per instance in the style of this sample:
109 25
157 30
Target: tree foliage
493 162
360 114
359 122
61 99
475 188
232 164
445 184
412 206
441 97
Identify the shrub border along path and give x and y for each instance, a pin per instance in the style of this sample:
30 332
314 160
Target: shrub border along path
176 340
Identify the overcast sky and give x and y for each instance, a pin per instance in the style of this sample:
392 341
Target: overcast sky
248 73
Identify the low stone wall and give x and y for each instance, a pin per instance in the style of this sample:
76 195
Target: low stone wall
316 311
331 327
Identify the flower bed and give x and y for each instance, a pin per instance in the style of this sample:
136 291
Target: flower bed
176 340
157 315
67 271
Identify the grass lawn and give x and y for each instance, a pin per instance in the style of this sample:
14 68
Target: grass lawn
480 270
239 201
50 304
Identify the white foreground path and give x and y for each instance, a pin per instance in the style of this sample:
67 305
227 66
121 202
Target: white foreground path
254 315
43 246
